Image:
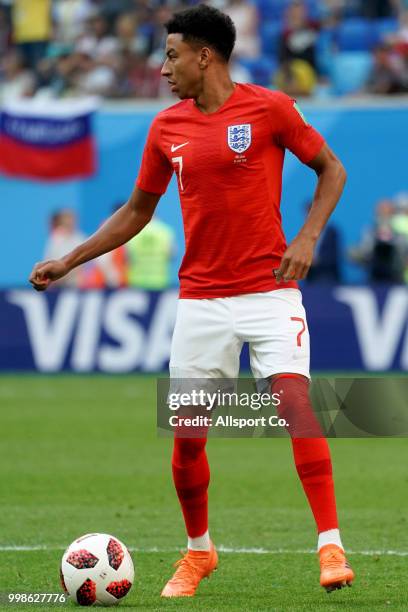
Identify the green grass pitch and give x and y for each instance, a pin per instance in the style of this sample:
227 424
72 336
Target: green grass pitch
81 454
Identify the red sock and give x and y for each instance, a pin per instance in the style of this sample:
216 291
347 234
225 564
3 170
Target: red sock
313 464
191 476
310 450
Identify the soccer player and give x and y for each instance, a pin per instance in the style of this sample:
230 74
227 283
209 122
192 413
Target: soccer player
226 143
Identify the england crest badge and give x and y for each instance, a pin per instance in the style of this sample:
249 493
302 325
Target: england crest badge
239 137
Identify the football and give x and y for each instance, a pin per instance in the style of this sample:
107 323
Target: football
97 569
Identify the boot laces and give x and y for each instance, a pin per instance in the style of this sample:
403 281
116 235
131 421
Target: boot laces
333 560
186 568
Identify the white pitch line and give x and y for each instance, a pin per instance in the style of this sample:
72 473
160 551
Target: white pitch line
222 549
310 551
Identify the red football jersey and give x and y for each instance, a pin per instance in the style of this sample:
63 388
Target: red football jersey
229 168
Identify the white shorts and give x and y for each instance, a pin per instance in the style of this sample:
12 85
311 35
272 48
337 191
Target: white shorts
209 334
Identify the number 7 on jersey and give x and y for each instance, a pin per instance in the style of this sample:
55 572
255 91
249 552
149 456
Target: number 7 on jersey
179 161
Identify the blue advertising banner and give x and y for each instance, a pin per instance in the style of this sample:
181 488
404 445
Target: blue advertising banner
352 328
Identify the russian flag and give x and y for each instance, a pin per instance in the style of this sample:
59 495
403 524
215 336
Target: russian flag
47 140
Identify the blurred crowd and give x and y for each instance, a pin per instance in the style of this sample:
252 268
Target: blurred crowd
114 48
144 262
383 249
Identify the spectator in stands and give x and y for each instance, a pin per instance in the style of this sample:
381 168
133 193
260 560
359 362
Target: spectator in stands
16 80
129 39
389 74
70 17
97 42
94 77
149 255
378 250
64 236
399 225
296 75
31 28
245 17
299 35
381 230
57 72
296 78
110 271
96 59
136 78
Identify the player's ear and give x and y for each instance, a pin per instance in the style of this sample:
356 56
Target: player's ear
205 57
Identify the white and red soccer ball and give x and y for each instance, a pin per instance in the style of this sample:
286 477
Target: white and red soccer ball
97 569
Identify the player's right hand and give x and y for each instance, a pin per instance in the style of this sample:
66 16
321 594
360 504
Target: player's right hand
45 272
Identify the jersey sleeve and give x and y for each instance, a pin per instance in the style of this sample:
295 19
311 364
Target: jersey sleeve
155 171
292 131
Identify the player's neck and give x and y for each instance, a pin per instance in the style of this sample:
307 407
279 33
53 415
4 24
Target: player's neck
214 94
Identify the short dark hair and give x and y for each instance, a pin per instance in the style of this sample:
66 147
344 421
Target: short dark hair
205 25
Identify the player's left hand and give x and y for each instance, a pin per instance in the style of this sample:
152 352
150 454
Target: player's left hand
296 260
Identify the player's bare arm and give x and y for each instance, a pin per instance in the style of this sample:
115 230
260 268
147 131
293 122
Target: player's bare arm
298 257
118 229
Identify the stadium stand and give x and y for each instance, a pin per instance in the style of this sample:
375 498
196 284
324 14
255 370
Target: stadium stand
115 49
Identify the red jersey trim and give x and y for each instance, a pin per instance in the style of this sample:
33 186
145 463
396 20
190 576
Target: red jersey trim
148 189
319 147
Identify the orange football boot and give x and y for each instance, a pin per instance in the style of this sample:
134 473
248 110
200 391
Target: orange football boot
335 572
191 569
